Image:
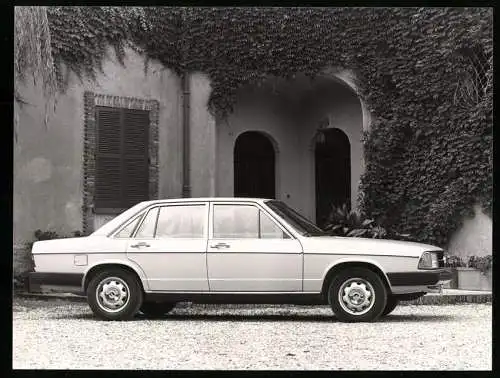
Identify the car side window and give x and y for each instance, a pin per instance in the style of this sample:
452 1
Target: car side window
269 229
236 221
183 221
126 232
147 227
243 222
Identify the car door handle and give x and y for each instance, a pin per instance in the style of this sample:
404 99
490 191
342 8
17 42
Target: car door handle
141 244
220 245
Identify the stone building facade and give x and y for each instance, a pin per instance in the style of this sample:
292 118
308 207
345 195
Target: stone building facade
123 138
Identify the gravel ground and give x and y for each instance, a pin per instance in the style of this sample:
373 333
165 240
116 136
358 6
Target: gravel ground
64 335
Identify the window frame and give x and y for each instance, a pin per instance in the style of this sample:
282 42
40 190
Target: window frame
138 227
205 222
288 236
146 211
273 222
91 100
132 219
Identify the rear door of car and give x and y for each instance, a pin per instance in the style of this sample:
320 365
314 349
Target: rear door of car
170 245
249 251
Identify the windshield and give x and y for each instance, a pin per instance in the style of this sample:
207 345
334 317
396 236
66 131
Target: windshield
300 223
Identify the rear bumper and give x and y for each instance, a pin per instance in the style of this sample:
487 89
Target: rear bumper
55 282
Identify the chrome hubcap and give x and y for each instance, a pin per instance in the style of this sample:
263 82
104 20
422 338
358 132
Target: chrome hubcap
112 294
356 296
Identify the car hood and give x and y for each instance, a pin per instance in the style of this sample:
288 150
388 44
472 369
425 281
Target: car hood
364 246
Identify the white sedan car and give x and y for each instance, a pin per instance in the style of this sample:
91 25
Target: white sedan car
233 250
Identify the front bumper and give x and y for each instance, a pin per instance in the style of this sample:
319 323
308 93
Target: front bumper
55 282
427 281
420 278
444 276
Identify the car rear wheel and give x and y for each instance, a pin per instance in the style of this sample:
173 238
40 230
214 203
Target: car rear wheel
392 303
155 309
357 295
114 294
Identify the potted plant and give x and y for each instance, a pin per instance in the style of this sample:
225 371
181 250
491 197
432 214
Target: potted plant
475 273
453 262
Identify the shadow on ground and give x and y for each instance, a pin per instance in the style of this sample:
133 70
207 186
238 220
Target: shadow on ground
263 318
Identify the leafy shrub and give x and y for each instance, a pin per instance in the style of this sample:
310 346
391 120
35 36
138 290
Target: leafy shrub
482 263
454 262
42 235
344 222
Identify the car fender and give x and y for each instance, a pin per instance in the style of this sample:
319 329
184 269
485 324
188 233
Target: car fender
356 259
132 265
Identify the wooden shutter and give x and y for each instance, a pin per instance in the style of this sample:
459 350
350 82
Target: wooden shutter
122 168
135 159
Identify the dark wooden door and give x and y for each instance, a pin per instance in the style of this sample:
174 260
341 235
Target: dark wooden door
254 166
333 173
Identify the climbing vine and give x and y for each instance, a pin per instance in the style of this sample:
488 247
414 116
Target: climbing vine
428 157
32 48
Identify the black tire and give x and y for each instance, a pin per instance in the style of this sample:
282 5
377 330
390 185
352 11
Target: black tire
367 286
119 281
156 309
392 302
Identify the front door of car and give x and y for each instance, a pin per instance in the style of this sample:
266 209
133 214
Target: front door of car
170 246
249 252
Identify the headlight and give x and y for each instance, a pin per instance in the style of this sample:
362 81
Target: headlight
429 260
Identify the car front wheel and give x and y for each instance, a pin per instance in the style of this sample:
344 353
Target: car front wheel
357 295
114 294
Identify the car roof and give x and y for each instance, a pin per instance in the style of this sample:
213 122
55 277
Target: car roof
205 199
126 215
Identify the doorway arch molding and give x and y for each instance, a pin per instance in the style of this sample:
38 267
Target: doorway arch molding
347 81
348 78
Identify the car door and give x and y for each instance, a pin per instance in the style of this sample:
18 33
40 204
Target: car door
248 251
170 246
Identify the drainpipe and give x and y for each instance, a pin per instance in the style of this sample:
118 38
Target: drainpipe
186 188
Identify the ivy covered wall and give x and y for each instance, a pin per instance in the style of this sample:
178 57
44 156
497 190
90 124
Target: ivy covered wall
425 74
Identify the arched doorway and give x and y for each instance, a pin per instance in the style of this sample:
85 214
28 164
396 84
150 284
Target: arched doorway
333 172
254 166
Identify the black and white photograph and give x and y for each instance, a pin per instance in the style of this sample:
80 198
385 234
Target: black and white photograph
252 188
